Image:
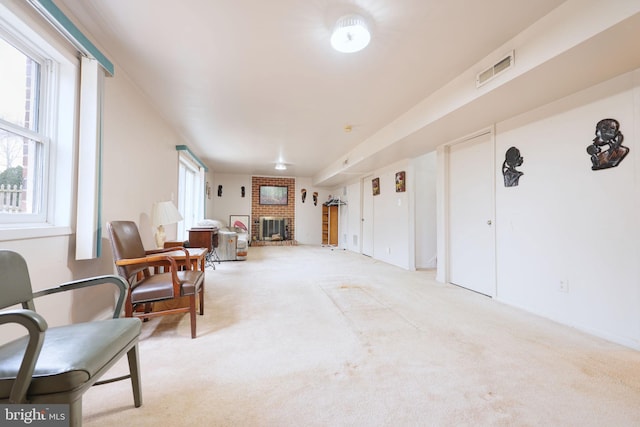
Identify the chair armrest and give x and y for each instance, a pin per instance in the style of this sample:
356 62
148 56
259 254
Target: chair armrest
151 259
161 250
92 281
174 244
158 260
36 325
172 249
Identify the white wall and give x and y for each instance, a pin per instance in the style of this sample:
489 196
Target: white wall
425 224
565 222
140 159
393 216
231 202
351 220
308 215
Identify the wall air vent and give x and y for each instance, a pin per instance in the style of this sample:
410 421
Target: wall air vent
491 72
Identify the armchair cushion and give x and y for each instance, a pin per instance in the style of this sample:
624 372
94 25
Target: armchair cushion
72 354
156 288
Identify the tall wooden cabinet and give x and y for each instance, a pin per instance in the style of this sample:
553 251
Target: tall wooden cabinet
330 225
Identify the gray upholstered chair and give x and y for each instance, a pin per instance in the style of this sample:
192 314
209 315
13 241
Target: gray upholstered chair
135 265
57 365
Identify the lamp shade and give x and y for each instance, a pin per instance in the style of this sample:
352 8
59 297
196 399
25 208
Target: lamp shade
350 34
165 213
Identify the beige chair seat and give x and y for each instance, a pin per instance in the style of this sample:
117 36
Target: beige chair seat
70 357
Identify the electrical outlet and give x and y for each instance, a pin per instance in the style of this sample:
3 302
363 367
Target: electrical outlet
388 250
564 286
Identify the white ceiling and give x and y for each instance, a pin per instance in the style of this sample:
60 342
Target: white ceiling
248 83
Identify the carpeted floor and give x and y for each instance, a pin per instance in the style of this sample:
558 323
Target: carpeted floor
310 336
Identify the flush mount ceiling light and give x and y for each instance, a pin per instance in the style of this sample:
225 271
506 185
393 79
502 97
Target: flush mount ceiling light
350 34
281 166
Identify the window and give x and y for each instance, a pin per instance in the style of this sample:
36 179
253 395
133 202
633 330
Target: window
23 141
38 92
190 193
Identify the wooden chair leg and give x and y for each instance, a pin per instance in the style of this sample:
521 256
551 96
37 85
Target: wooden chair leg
192 313
134 363
148 307
202 300
128 308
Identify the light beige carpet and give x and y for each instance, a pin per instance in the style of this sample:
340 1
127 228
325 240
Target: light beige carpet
309 336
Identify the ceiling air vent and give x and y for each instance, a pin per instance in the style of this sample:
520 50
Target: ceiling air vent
499 67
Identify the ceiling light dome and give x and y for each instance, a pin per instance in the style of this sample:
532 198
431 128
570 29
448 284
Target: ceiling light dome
350 34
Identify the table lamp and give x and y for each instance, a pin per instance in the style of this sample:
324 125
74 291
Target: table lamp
164 213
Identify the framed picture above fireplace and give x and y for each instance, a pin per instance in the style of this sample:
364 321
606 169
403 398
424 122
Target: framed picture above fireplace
274 195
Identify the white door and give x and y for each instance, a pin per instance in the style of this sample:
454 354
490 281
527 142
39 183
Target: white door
471 212
367 217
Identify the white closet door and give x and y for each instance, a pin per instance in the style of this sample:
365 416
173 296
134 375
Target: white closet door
471 215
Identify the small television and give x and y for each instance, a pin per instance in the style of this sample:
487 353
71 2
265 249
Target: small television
274 195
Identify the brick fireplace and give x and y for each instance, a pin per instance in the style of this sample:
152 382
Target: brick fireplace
287 212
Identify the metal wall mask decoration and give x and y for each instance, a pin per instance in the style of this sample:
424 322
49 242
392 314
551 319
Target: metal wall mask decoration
607 135
219 190
315 198
303 193
242 191
512 159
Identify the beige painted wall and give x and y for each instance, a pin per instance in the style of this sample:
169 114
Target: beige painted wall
140 166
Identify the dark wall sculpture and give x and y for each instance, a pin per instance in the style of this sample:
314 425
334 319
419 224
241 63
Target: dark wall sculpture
512 159
607 150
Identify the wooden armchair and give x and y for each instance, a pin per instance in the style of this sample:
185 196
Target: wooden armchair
57 365
135 265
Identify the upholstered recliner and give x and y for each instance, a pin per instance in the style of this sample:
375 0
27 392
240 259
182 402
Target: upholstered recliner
233 241
58 364
135 265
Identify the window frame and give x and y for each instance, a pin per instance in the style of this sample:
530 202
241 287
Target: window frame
57 121
44 110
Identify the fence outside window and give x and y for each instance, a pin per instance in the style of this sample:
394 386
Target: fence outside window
12 198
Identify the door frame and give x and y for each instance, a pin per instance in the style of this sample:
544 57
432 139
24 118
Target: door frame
363 194
444 211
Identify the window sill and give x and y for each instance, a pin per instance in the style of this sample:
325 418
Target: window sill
32 232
